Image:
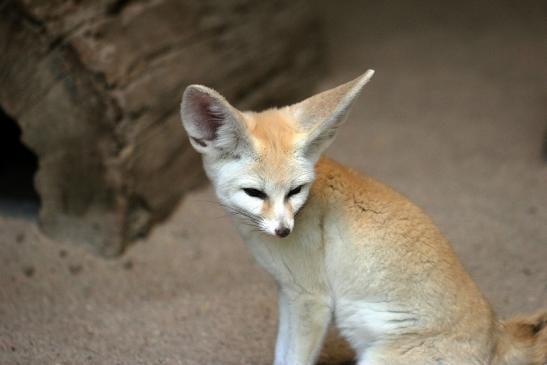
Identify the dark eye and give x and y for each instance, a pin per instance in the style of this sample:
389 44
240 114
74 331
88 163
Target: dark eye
294 191
255 193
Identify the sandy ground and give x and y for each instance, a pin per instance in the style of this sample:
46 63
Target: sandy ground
454 119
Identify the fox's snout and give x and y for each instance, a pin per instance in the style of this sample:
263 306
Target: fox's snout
279 219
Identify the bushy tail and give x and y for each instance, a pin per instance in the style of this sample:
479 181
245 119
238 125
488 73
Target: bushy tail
523 341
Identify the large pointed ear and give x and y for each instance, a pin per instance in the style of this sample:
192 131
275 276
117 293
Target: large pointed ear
212 124
320 115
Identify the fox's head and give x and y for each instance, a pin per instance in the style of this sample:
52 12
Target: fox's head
262 164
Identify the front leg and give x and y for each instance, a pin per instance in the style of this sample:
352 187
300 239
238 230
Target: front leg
282 343
303 322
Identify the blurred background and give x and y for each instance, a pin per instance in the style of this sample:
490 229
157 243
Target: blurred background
112 247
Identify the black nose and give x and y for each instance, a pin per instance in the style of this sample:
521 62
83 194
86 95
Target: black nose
282 231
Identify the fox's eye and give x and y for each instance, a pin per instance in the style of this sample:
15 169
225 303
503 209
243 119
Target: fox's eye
255 193
294 191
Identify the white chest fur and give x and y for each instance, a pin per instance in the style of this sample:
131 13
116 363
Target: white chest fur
296 261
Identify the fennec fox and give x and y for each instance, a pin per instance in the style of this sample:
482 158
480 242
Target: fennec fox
353 249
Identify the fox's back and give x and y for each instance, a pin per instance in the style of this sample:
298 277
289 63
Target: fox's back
376 225
376 239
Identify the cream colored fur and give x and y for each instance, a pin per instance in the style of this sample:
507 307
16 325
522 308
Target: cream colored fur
358 253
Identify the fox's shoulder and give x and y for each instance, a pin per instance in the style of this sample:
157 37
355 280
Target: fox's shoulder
338 183
339 187
364 207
